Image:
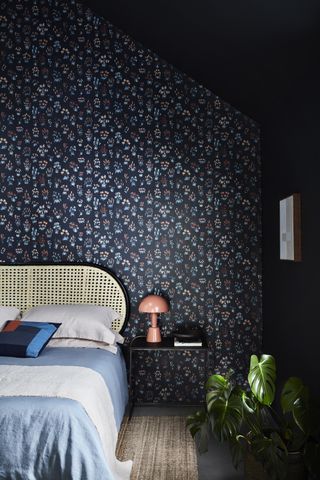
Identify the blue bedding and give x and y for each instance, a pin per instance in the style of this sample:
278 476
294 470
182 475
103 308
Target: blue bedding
53 438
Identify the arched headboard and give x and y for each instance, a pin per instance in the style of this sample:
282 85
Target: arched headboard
26 286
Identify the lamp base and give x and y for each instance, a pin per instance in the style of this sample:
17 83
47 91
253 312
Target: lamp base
153 335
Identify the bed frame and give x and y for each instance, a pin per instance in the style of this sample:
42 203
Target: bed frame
26 286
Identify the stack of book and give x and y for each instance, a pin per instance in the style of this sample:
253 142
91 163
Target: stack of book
190 338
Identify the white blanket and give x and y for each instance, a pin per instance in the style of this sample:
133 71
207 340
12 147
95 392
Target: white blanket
77 383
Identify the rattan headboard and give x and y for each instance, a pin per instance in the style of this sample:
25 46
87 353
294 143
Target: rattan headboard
29 286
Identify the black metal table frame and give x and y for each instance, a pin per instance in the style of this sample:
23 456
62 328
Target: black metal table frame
163 347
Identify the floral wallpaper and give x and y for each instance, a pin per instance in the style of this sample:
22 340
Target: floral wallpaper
110 155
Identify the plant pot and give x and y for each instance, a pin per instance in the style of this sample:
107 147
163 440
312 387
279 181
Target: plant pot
254 470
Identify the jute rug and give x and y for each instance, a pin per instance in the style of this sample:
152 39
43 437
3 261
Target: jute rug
161 448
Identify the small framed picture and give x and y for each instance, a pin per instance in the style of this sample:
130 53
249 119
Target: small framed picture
290 228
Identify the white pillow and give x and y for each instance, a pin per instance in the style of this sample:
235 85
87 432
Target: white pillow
90 322
77 342
67 313
8 313
119 338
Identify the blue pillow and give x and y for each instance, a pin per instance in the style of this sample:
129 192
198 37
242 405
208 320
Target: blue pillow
25 339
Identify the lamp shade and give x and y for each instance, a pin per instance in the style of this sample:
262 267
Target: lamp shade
154 304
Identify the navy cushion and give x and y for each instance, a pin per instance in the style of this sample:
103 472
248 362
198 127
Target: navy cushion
25 339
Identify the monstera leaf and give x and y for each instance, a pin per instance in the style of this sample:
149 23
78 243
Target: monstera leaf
250 406
198 426
262 376
218 387
295 399
272 453
292 392
217 383
238 449
226 416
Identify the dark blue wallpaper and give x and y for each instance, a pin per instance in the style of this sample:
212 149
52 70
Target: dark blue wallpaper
109 155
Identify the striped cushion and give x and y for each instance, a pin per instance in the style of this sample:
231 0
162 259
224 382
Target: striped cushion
25 339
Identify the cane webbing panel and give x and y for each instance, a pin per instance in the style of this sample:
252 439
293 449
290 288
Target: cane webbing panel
33 285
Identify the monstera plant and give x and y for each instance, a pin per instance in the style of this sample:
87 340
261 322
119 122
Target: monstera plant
254 428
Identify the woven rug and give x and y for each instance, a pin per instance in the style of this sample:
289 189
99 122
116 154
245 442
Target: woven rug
161 448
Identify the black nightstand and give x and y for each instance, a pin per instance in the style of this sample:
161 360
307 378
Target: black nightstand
140 344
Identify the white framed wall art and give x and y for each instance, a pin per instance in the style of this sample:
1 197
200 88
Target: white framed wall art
290 228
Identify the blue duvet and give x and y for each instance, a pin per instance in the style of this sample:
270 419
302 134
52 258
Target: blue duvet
53 438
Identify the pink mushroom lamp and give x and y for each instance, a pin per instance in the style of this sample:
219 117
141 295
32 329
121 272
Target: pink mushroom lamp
154 304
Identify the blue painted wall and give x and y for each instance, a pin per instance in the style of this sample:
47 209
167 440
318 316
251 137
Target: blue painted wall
109 155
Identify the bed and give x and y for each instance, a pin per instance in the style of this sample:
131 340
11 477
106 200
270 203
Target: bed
69 436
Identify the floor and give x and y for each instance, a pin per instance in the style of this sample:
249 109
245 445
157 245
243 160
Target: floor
216 463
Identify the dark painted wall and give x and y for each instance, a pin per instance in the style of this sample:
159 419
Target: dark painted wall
109 155
291 163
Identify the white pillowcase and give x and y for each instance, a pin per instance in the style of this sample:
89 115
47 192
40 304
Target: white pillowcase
89 322
8 313
78 342
67 313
